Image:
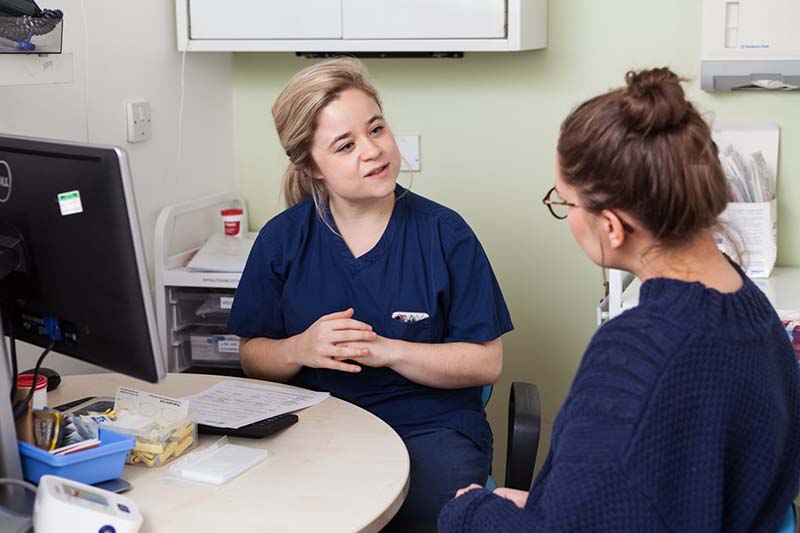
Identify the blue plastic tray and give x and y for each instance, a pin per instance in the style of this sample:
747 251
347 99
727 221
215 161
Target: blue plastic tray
89 466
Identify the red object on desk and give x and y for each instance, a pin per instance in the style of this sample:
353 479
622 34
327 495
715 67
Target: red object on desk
793 329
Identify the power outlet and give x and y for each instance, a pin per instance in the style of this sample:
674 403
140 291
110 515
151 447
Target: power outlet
140 121
409 152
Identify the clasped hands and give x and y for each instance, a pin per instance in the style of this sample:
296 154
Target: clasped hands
518 497
336 337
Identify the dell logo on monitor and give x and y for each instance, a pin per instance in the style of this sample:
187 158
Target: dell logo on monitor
5 181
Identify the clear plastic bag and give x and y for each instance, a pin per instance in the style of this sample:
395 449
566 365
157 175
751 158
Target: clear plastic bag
218 463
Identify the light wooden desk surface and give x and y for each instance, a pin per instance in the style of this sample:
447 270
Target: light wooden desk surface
339 468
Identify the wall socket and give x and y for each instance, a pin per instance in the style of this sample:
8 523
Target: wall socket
139 120
409 151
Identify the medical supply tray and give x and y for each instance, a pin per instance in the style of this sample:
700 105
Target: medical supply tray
157 447
88 466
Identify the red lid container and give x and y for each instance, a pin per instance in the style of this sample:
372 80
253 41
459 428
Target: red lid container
25 381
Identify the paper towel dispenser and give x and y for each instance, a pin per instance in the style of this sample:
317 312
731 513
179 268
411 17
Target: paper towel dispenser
751 45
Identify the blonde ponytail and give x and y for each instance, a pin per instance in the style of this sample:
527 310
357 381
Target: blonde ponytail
298 185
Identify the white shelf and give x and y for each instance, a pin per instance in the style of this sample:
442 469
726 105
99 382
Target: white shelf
352 45
782 289
183 277
179 229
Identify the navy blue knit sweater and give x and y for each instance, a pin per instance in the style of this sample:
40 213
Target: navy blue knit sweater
684 416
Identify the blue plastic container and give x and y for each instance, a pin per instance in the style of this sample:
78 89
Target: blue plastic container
89 466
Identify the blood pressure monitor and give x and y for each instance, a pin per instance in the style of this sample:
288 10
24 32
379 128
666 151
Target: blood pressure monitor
63 505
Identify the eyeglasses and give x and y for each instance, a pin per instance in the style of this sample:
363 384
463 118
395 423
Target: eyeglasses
559 208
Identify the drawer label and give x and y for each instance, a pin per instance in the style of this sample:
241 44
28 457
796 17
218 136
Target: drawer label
226 302
228 346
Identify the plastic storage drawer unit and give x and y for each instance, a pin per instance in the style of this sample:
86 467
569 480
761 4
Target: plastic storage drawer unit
209 346
201 308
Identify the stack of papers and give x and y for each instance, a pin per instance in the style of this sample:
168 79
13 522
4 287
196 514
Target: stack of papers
222 253
748 154
749 178
233 404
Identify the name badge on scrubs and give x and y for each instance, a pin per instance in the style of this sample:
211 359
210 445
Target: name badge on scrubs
409 317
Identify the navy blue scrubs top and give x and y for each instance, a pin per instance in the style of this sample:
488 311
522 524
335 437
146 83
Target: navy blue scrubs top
428 260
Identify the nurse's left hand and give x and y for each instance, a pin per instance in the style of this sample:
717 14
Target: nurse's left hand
379 354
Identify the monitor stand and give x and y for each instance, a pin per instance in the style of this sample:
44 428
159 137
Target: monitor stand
14 500
14 522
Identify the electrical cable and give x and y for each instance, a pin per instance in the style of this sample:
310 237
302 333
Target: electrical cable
179 151
86 65
10 481
14 368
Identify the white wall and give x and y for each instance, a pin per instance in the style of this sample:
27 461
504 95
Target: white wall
115 52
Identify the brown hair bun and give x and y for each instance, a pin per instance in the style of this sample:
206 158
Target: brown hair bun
645 150
654 101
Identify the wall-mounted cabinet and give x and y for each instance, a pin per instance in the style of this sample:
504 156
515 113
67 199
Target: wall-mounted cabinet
361 25
258 20
424 19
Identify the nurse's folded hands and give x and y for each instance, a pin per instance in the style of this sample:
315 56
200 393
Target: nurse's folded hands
320 345
377 352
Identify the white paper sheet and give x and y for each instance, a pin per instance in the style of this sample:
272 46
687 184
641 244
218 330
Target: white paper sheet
222 253
161 409
233 404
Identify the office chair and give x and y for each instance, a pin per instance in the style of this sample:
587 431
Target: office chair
524 420
790 523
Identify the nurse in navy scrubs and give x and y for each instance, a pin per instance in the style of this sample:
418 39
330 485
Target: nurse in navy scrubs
366 290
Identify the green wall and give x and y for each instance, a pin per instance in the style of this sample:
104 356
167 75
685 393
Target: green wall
488 126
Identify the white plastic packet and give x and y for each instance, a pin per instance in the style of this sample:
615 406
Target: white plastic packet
749 156
218 463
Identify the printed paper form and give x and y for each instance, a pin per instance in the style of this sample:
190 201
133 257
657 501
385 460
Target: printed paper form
233 404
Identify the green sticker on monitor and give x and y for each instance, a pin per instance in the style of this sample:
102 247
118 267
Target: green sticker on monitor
70 203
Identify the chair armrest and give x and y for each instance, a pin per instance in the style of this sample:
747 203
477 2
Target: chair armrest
524 418
796 521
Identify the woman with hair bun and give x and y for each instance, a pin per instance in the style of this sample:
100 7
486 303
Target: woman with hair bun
684 414
368 291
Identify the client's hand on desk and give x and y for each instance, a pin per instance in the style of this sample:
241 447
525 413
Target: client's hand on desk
324 343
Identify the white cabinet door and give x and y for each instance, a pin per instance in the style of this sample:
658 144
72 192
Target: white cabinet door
265 19
424 19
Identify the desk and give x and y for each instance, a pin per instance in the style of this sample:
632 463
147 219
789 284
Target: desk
339 468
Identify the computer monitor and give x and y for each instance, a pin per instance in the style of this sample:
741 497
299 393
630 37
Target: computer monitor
71 253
